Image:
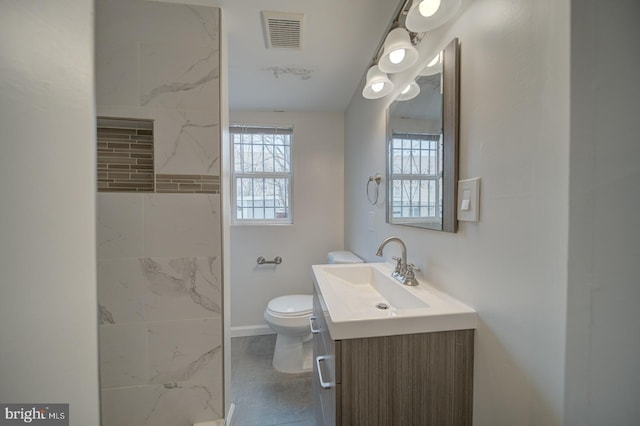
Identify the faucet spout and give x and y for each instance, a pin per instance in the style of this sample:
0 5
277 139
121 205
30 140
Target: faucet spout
397 240
403 272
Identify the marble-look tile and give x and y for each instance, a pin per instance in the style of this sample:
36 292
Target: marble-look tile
119 225
184 77
187 142
117 73
174 404
183 288
185 350
186 403
134 21
122 292
182 225
128 111
123 355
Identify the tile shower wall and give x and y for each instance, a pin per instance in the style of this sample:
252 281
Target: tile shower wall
159 269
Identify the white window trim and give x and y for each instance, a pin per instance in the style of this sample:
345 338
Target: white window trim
235 175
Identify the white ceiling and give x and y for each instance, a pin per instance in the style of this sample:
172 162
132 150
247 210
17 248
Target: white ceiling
339 41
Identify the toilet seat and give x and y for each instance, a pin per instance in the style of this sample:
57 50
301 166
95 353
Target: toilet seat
294 305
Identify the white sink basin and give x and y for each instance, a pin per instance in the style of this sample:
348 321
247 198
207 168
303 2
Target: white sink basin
364 286
363 300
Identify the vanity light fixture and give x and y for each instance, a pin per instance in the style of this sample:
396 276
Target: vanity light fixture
411 91
377 85
428 8
433 67
398 54
426 15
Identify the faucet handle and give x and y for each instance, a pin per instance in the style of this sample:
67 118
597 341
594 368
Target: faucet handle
411 267
399 265
410 276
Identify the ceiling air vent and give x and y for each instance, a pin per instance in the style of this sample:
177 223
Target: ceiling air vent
283 30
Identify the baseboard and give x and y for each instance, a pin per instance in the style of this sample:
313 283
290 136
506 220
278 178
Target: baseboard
251 330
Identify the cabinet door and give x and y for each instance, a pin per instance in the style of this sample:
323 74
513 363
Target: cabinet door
415 379
325 387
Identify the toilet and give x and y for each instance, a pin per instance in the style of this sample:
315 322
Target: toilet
289 317
343 257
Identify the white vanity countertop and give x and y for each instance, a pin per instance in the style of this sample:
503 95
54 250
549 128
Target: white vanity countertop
352 291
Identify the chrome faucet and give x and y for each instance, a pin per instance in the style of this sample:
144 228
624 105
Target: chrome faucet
403 273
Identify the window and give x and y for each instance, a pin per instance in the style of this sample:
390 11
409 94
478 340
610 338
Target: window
416 176
262 174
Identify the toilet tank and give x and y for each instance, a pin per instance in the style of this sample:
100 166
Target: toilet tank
343 257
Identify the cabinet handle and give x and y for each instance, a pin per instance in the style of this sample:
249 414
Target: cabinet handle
313 329
323 384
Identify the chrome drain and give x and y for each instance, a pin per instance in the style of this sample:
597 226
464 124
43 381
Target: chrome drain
382 306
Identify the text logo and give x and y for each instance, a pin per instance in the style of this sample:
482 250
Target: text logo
34 414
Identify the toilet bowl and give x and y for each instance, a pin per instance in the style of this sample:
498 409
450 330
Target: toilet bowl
289 317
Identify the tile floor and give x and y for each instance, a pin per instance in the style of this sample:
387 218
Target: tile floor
264 396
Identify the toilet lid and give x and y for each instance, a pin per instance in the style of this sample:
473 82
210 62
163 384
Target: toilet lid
292 305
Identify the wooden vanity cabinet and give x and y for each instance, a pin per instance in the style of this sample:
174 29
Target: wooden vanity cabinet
421 379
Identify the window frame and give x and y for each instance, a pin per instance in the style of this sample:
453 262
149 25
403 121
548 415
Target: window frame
262 129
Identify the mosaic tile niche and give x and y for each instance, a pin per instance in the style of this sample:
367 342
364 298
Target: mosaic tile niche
126 161
125 155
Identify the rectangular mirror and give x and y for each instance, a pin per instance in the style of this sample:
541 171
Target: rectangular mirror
422 148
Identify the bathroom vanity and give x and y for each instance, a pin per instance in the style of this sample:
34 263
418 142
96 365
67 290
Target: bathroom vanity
406 364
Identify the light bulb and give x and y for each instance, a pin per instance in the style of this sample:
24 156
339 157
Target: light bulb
428 8
397 56
406 89
376 87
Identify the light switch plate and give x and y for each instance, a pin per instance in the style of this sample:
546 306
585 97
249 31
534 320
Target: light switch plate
469 200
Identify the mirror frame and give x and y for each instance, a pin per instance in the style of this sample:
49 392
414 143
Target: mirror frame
450 141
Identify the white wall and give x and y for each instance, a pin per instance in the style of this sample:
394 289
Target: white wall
318 218
511 266
603 343
48 330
